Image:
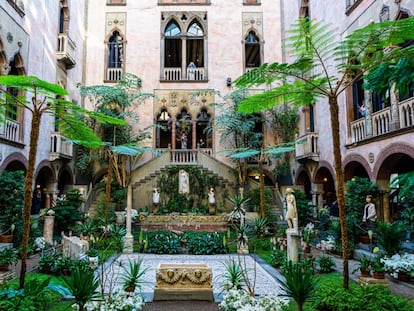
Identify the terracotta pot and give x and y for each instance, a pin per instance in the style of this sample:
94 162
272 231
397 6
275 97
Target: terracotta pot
308 249
6 238
130 289
405 277
364 239
378 275
365 272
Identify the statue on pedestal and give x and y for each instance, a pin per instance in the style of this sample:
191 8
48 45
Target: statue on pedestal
292 213
211 199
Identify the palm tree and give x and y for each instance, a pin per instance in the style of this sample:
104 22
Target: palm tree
324 67
43 101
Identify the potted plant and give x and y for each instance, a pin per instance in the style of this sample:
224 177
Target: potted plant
364 266
8 257
133 275
377 266
401 266
307 232
93 256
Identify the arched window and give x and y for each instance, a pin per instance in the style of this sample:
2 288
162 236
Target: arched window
173 45
163 136
204 138
195 45
115 57
184 43
252 51
115 46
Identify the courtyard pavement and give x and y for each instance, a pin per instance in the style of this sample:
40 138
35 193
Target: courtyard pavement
263 274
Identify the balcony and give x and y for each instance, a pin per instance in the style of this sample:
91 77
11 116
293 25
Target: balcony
60 148
10 131
307 147
66 50
176 74
385 122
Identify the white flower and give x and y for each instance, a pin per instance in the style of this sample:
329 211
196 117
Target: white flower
240 300
399 263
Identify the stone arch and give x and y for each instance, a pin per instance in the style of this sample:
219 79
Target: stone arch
324 180
403 13
355 165
44 185
14 162
393 153
303 178
65 179
16 63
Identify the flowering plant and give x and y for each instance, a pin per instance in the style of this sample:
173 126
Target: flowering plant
240 300
399 263
326 245
118 301
376 263
308 231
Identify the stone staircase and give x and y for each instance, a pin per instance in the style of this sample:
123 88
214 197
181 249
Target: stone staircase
145 177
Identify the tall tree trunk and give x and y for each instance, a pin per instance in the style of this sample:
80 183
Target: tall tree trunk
262 196
108 183
28 191
333 107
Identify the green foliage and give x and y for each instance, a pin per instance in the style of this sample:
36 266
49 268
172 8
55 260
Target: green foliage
83 284
254 195
11 201
8 256
405 183
303 207
278 258
389 236
260 227
163 242
133 274
37 294
326 264
67 211
333 297
205 243
300 283
233 276
358 189
116 236
173 201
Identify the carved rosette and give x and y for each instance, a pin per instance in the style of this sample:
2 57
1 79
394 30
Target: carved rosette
184 276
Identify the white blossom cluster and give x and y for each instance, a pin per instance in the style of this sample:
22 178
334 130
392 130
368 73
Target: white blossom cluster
119 301
399 263
240 300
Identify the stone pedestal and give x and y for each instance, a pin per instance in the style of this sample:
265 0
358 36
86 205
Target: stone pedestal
48 228
183 282
293 242
73 247
128 244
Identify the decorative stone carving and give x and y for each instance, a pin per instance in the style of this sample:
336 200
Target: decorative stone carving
74 247
183 282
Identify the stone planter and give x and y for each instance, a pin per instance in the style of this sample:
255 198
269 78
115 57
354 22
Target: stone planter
6 238
378 275
365 272
405 277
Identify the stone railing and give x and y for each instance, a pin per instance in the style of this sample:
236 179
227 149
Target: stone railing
60 147
385 121
191 74
358 130
11 130
406 111
66 50
381 121
307 146
113 74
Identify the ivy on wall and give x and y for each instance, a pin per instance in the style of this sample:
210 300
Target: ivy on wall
196 200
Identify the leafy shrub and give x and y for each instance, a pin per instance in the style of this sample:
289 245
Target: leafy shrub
333 297
389 237
326 264
163 242
205 243
278 258
67 211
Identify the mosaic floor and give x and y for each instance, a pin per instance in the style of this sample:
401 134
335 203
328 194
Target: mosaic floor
265 275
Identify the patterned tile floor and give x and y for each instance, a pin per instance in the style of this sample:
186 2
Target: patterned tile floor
265 274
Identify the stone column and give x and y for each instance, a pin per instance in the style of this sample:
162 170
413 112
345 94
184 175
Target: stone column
128 239
194 132
293 242
48 226
368 116
395 115
173 133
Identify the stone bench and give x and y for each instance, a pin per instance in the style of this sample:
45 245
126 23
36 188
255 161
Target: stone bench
183 282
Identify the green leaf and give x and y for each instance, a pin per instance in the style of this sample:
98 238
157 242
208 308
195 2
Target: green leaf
31 82
245 154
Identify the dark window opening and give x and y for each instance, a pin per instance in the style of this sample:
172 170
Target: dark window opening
115 46
252 51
